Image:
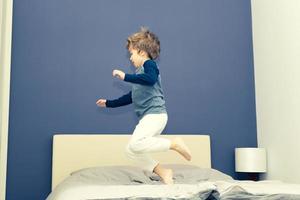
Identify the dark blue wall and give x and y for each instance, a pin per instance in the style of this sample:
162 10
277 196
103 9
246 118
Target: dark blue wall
64 52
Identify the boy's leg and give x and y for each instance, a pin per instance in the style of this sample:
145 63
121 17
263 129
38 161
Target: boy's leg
142 141
144 160
164 173
178 145
147 163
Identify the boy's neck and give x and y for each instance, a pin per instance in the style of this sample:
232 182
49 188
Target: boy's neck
143 62
145 59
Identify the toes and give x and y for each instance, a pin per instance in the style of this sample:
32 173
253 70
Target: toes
168 177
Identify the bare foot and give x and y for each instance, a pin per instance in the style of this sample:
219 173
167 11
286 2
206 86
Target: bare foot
179 146
165 174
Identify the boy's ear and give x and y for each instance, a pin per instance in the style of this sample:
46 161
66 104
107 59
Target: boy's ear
143 53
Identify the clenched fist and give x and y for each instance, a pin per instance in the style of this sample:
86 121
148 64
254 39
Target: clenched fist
101 102
119 74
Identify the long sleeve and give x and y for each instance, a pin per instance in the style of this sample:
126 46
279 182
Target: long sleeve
149 77
122 101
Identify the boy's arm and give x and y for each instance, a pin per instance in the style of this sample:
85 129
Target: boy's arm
122 101
149 77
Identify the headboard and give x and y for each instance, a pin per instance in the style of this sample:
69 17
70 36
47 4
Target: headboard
73 152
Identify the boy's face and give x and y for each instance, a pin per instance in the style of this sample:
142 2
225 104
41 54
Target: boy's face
137 58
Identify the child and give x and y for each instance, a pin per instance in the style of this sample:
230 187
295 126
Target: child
149 104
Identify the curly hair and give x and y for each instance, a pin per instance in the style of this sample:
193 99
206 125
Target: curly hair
144 40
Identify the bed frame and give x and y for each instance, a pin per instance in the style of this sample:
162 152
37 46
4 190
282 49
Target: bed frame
73 152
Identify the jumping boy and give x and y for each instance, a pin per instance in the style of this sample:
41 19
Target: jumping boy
149 105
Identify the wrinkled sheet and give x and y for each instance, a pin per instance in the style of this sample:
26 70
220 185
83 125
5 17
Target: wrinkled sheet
198 191
217 190
261 190
194 183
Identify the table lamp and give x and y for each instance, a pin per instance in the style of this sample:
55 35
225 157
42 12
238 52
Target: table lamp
251 160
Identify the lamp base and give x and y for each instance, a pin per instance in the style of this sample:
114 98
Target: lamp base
248 176
253 176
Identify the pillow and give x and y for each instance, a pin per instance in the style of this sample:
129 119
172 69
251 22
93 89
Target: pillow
131 175
112 175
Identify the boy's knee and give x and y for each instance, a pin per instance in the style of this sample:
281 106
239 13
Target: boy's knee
134 147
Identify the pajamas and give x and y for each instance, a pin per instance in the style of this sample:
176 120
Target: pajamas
144 140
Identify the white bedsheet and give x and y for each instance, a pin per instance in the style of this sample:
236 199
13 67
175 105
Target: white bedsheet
257 188
75 191
81 192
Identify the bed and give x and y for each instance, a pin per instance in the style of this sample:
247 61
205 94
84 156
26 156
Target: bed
92 167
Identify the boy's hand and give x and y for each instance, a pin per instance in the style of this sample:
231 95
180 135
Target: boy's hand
101 102
119 74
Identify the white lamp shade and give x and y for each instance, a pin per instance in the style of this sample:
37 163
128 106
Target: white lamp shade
250 160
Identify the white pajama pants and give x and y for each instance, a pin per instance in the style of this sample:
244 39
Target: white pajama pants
144 140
